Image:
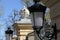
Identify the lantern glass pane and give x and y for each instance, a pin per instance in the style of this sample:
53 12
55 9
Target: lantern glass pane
7 36
38 17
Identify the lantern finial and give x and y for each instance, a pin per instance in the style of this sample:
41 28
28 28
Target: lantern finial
36 1
8 27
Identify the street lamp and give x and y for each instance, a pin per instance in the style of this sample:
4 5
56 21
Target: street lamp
9 34
38 11
37 14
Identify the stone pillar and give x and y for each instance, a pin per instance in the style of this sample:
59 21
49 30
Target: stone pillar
22 29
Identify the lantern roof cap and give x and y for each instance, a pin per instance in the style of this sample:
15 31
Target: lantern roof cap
37 8
8 31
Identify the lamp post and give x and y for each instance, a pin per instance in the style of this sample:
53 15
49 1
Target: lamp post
38 11
9 34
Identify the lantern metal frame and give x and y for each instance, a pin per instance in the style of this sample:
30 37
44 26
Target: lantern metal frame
37 8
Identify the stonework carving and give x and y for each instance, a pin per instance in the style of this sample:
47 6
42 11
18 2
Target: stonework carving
24 13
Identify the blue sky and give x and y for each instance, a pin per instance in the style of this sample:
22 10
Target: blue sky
8 7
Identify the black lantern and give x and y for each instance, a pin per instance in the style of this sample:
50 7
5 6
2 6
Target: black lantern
37 16
9 34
